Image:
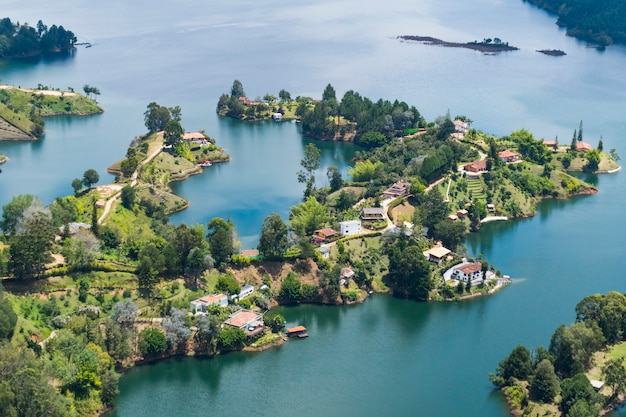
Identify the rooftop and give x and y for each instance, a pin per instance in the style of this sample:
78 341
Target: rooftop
506 154
243 318
437 251
326 232
212 298
470 268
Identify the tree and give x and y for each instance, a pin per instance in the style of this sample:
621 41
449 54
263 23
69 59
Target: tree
124 313
274 321
544 385
290 289
236 90
207 326
152 342
310 163
284 96
593 160
450 233
573 347
173 134
600 145
580 131
151 264
176 328
13 211
230 338
90 177
82 249
198 261
31 245
615 375
575 389
409 273
89 90
308 216
228 285
77 185
334 178
128 197
220 237
156 117
273 242
8 318
516 365
329 93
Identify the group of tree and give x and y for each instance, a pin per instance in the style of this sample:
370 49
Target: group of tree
23 40
600 320
602 23
373 123
90 177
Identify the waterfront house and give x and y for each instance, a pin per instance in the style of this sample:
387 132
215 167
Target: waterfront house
398 189
277 117
476 166
350 227
247 102
324 235
195 137
200 305
460 126
437 254
249 321
491 207
468 272
508 156
583 146
347 273
461 214
453 217
373 213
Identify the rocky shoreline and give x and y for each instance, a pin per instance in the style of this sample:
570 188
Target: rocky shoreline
484 47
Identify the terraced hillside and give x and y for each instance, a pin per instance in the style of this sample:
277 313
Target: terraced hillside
10 132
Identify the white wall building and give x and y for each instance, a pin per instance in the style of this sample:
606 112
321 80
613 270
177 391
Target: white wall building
350 227
469 271
200 305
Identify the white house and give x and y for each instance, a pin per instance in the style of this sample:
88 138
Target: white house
469 271
350 227
200 305
325 251
246 290
277 117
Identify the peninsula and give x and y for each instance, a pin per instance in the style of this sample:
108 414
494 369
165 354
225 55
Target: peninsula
105 273
22 109
20 41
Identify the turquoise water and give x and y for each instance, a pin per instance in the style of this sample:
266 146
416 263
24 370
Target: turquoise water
386 356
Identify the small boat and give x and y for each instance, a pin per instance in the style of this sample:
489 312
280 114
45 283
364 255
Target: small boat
205 164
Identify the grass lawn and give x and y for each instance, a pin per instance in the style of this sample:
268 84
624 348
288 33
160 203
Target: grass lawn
368 250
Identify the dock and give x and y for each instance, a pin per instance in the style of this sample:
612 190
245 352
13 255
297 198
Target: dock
297 331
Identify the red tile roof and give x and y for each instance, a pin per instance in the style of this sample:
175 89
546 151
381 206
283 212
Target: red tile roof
470 268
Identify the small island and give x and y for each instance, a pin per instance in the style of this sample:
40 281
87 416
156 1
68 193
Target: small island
552 52
488 46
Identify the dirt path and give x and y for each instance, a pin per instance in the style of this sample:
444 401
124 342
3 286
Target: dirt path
133 183
43 92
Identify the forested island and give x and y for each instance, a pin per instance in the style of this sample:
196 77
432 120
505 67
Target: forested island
599 22
21 40
582 372
101 281
22 109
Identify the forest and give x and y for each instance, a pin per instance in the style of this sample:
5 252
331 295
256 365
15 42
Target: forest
599 22
21 40
581 372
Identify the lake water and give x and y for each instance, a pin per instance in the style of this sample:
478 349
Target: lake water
387 356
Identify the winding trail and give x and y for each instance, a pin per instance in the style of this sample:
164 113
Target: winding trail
133 180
